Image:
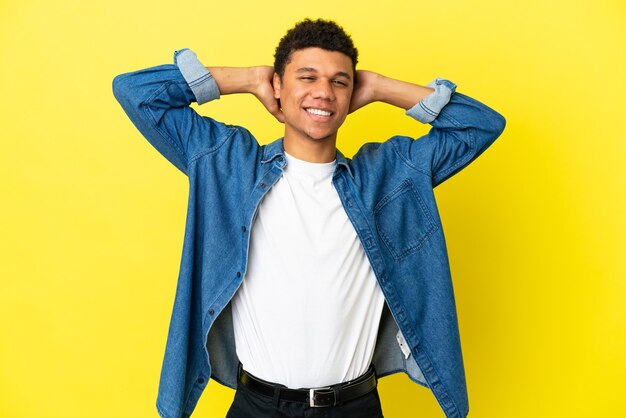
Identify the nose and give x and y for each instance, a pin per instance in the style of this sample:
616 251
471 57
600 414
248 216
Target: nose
323 90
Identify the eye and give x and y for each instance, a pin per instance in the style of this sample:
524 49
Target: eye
340 83
307 78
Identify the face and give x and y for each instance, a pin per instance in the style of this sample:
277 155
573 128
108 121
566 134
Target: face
315 93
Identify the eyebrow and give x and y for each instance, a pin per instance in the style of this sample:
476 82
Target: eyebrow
313 70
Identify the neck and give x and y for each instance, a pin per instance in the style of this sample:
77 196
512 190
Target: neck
313 151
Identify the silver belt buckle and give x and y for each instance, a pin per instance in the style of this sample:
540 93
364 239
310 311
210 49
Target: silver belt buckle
312 396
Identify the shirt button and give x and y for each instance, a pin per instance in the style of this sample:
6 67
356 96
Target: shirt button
262 185
238 274
211 311
243 228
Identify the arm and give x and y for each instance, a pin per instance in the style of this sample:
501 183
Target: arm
157 100
462 128
372 87
253 80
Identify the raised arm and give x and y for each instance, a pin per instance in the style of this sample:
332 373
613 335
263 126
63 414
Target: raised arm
462 127
157 100
373 87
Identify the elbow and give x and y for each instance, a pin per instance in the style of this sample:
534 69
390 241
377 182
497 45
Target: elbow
125 89
125 92
500 124
119 87
492 127
496 125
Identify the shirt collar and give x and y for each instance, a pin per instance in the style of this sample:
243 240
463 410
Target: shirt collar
275 149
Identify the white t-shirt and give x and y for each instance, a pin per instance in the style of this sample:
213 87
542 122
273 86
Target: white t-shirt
308 310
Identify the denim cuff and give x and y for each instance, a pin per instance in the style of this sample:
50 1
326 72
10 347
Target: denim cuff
199 79
429 107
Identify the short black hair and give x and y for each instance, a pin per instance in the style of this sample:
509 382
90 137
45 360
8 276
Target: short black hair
320 33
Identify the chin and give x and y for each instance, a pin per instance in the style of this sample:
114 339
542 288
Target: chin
320 138
321 135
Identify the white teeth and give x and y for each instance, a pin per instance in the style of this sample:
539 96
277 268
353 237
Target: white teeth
318 112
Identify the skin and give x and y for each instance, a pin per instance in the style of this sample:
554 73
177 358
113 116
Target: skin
315 78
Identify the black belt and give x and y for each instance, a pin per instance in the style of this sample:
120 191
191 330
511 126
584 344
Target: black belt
324 396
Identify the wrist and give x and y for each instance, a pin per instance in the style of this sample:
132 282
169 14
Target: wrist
259 76
370 85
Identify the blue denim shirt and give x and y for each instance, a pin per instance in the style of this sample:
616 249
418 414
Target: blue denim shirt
386 190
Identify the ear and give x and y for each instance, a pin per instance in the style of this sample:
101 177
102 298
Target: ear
276 84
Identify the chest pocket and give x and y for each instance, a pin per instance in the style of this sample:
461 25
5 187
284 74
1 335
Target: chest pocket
403 220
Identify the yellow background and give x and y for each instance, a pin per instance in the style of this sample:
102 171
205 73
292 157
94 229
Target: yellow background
92 216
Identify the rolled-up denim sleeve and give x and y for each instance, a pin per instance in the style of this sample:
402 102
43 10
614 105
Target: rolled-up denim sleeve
462 129
157 100
429 107
199 79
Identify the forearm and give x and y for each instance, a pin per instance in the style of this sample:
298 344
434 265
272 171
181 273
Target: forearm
373 87
399 93
254 80
232 80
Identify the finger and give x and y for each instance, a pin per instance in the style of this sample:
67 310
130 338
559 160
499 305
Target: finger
354 105
275 110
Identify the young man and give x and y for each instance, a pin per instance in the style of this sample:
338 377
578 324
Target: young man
306 275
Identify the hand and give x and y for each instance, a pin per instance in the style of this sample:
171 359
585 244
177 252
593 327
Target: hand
264 91
364 91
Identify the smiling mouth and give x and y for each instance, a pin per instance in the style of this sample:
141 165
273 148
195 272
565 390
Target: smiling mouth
318 112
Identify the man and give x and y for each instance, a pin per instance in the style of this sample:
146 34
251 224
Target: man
306 275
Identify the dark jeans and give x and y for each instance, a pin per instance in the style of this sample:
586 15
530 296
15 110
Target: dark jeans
250 404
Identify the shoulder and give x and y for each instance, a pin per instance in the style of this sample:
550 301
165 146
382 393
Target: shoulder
376 150
228 141
390 156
